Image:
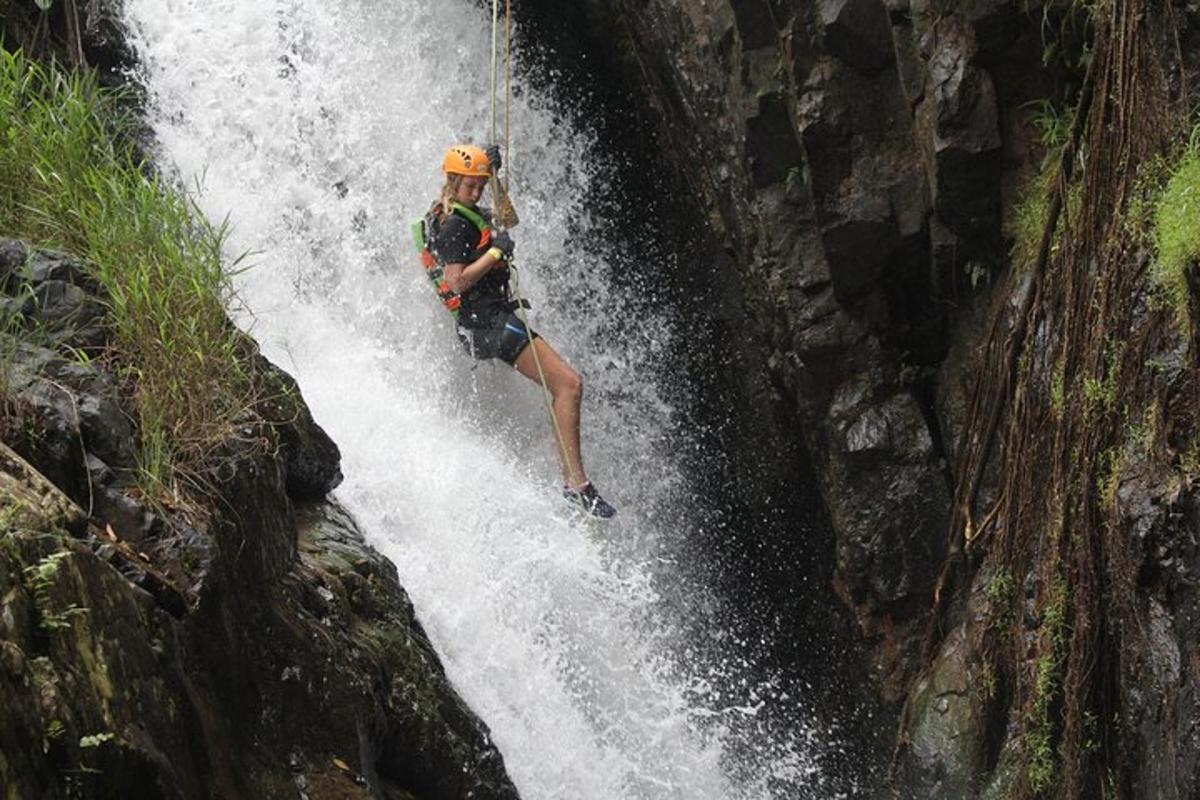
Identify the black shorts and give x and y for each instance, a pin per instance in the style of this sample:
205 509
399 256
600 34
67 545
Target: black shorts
504 339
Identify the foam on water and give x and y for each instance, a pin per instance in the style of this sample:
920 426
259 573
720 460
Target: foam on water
317 128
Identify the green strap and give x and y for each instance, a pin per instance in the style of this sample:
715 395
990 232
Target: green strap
474 216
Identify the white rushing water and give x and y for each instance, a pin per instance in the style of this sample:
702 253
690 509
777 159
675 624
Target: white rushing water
318 129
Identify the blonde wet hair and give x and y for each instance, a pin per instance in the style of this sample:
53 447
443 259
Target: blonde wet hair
445 203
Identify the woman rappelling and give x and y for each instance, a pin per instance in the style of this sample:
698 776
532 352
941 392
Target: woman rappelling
469 260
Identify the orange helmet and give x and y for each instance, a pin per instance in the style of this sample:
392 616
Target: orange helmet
466 159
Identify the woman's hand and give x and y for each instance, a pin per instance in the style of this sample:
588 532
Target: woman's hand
493 154
504 243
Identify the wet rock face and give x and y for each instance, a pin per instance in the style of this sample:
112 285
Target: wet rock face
958 123
319 682
947 752
66 31
77 430
86 657
861 162
1162 676
311 458
865 150
857 33
410 707
252 647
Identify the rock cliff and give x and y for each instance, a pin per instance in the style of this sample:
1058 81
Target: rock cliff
863 167
247 643
851 158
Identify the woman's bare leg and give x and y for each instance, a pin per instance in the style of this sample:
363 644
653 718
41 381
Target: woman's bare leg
566 391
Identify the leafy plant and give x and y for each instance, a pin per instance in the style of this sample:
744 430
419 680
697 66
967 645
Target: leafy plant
42 576
1053 126
1027 221
1058 389
1000 586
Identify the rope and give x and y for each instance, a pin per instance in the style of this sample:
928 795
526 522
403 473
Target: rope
495 22
514 282
507 96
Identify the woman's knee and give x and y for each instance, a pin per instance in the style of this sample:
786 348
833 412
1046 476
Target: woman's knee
569 384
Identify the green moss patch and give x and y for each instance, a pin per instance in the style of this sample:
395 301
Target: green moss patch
1177 232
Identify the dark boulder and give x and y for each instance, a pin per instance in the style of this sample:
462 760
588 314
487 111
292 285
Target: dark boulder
52 294
857 32
312 459
771 138
755 24
13 254
958 120
62 410
43 266
859 243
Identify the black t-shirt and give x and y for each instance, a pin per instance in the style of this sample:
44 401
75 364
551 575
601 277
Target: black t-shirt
457 242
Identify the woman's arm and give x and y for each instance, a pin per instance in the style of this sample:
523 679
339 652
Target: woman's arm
461 277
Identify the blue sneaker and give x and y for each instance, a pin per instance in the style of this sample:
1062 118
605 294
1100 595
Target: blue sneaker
588 500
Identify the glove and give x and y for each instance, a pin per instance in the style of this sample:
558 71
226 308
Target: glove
503 242
493 154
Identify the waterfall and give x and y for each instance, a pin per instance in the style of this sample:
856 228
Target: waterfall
317 129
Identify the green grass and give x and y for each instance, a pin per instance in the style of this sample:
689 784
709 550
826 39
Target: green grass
1177 232
1058 388
1026 221
70 179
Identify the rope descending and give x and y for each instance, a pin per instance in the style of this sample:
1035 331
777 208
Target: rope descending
506 218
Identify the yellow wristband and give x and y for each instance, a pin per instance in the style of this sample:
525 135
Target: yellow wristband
496 253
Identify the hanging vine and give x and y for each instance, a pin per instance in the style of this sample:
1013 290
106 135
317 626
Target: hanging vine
1064 397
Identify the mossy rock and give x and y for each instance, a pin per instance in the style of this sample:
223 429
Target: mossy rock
947 741
30 502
